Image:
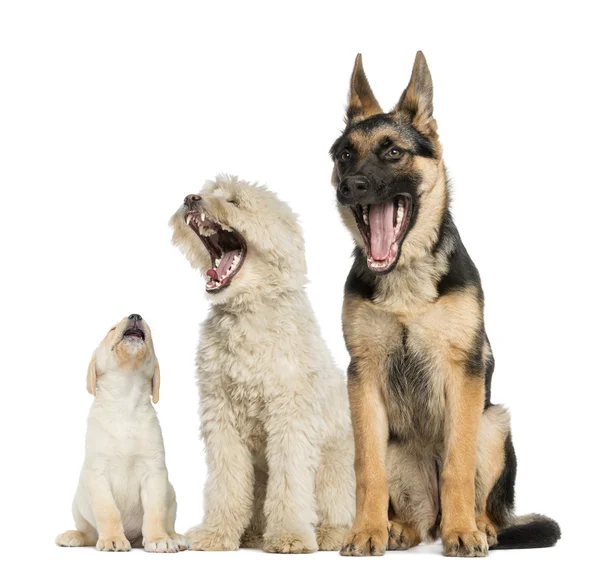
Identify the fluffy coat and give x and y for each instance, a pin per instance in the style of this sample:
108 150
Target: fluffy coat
273 406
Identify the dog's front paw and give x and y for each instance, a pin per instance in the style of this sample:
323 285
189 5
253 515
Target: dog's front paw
471 543
113 544
291 542
366 541
163 543
200 538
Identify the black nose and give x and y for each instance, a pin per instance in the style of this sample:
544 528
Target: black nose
135 317
191 199
354 187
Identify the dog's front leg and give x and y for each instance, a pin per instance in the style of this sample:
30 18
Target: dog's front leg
293 432
111 535
369 533
229 487
155 492
464 406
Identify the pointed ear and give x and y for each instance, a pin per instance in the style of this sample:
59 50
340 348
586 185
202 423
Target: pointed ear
361 101
417 99
91 376
156 384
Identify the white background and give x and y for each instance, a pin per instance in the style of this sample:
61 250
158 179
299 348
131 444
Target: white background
112 112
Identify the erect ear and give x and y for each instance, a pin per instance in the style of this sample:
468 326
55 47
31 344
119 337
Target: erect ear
417 99
156 384
361 101
91 376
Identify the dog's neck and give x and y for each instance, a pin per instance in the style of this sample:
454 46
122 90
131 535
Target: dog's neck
124 390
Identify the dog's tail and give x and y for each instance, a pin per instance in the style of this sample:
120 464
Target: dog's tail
529 531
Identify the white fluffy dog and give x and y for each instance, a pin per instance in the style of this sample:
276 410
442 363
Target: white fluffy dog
124 496
273 407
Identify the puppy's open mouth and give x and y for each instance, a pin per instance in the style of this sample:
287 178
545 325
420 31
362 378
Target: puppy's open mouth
135 333
226 246
383 227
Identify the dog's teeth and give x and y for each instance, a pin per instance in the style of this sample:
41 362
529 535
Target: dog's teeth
188 218
202 217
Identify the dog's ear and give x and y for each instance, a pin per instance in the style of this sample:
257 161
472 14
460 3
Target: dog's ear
156 384
91 376
361 101
417 99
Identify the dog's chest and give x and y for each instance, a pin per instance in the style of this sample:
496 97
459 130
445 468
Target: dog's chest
408 354
413 387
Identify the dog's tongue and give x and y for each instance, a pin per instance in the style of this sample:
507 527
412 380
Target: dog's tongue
381 223
226 261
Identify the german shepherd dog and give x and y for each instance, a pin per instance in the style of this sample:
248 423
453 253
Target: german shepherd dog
434 456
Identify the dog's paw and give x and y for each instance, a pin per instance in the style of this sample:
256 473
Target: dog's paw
200 538
181 541
471 543
113 544
485 526
331 537
291 543
160 544
71 538
402 536
367 541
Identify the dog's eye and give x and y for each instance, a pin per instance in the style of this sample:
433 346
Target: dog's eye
394 153
233 202
344 155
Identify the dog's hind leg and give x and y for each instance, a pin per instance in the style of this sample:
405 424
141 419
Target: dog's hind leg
335 490
253 535
181 541
414 499
85 535
494 503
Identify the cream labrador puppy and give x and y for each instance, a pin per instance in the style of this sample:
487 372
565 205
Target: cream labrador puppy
124 497
273 406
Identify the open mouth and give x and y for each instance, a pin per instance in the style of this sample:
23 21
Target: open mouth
383 226
134 332
227 249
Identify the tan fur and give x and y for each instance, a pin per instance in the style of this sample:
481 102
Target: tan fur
362 102
369 531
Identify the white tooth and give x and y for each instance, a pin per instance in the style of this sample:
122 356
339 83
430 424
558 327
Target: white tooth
188 218
202 217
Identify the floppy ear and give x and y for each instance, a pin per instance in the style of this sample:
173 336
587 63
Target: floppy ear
417 99
361 101
156 384
91 376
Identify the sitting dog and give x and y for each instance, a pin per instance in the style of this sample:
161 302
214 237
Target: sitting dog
274 408
434 455
124 497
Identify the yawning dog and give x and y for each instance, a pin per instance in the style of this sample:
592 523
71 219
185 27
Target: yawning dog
433 454
274 408
124 497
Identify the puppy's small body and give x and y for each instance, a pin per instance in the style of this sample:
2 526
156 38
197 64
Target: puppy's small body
274 408
124 497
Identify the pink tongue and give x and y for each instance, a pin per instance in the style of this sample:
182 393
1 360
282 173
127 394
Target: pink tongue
381 223
226 261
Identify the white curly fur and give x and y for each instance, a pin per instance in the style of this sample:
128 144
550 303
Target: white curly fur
273 406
